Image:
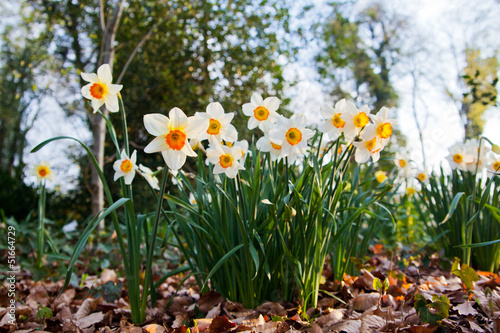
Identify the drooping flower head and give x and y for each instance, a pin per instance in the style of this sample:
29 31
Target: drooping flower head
172 135
225 159
381 126
42 171
262 112
355 120
100 90
150 177
217 124
125 167
292 135
332 122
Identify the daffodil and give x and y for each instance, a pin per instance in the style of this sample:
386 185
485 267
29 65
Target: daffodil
262 112
380 176
332 122
402 161
366 149
125 167
42 171
225 159
459 157
217 124
150 177
292 135
355 120
100 90
172 135
422 176
478 162
266 145
381 126
493 164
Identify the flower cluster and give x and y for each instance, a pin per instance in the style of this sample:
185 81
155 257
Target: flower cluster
469 156
368 137
176 134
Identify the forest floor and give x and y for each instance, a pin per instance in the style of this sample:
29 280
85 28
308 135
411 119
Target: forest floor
100 305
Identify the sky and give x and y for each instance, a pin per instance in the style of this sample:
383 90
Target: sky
441 30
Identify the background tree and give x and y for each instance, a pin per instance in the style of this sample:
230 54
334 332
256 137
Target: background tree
187 53
360 50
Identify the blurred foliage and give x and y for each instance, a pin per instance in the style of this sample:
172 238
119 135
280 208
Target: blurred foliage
363 48
480 77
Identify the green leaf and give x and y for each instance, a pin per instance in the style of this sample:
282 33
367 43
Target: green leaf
434 311
465 273
85 235
453 206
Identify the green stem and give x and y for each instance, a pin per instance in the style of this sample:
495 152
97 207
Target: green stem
151 248
41 218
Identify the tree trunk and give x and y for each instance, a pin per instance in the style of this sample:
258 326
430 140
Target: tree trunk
97 122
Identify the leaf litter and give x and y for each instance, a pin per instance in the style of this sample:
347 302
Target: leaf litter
418 300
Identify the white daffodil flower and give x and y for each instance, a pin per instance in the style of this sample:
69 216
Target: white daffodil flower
262 112
125 167
217 124
100 90
42 171
225 159
172 135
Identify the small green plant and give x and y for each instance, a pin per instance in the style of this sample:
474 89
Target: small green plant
434 311
43 313
465 273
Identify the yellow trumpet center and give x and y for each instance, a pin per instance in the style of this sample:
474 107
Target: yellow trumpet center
126 166
421 176
293 136
384 130
43 171
337 121
458 158
380 176
496 166
370 145
261 113
176 139
275 146
402 163
226 160
361 119
213 127
97 90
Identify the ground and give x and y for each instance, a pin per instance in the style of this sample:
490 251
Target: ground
353 305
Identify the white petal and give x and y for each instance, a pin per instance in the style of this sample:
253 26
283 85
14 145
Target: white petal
215 110
248 109
114 88
188 150
104 73
112 103
327 111
97 103
178 119
256 99
133 158
175 159
272 103
362 155
156 124
90 77
196 126
226 118
263 144
252 123
116 165
229 133
86 91
118 174
158 144
129 177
